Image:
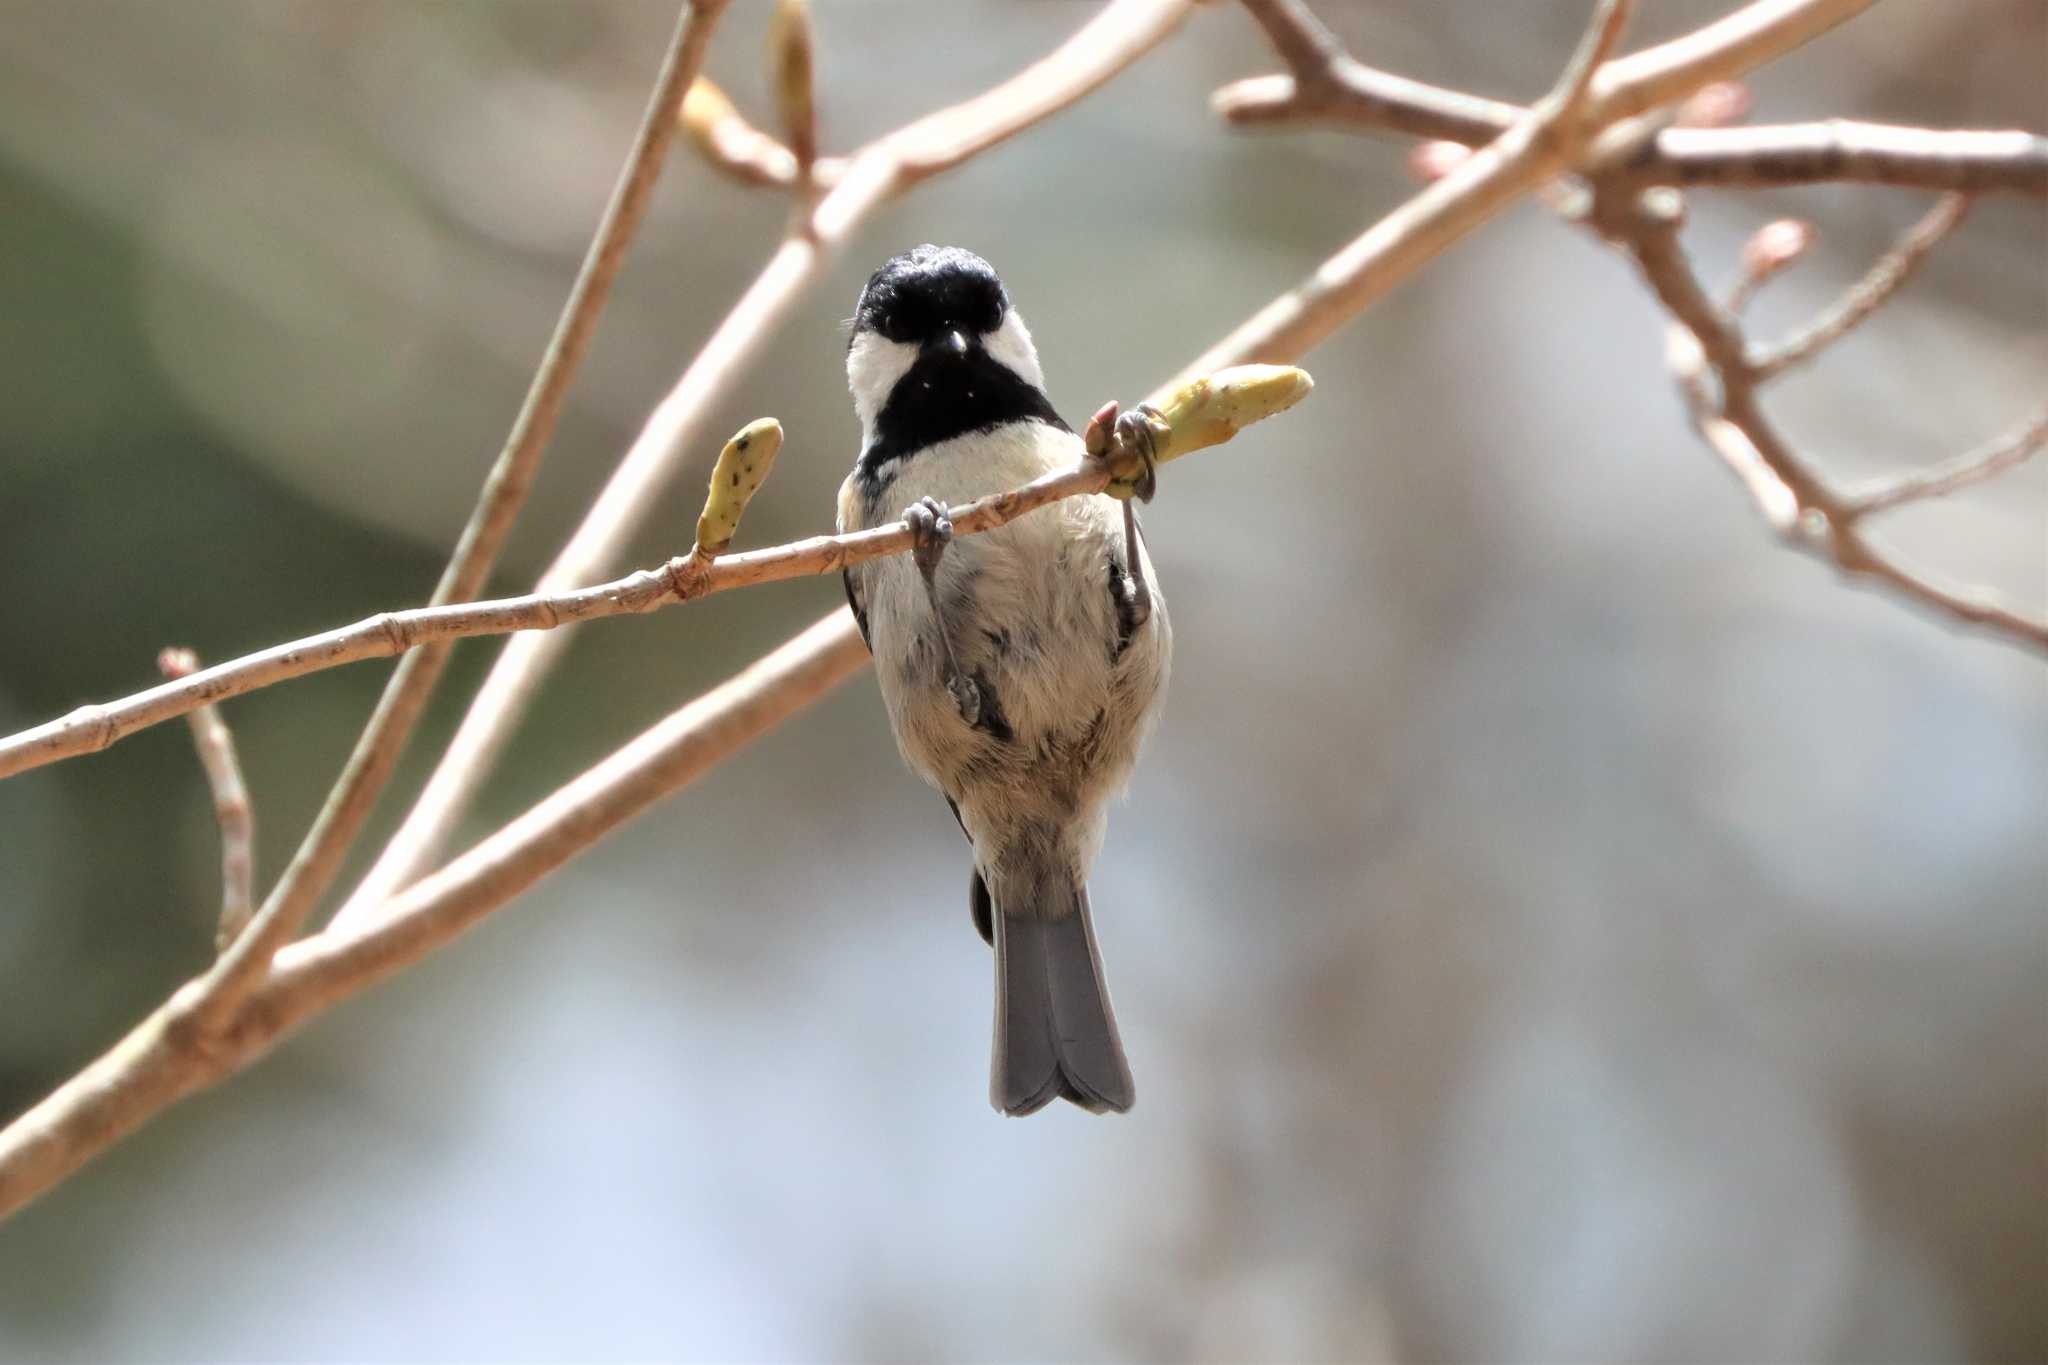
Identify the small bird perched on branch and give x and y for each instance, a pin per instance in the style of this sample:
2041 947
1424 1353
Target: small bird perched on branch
1022 668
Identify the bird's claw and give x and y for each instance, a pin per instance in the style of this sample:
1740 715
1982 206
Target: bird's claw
931 531
1137 433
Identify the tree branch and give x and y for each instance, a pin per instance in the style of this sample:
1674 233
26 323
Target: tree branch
1708 360
2009 451
1327 85
682 579
1716 376
231 808
319 855
184 1045
1868 294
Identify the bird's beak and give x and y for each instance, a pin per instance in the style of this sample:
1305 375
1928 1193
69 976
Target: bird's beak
951 345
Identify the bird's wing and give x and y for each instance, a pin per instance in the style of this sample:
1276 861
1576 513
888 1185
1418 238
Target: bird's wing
849 519
854 599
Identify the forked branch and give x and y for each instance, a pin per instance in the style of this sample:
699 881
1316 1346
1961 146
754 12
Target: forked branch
1326 84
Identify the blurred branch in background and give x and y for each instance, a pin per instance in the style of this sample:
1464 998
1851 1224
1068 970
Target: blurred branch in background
1717 371
1709 359
1596 124
1328 85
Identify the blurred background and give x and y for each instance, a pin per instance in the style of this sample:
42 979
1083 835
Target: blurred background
1553 922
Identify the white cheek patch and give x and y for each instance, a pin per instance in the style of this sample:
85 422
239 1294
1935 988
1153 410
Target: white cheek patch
1010 344
873 365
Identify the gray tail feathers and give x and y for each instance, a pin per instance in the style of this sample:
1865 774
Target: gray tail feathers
1055 1032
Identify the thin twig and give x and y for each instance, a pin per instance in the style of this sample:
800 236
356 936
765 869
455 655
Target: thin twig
2005 452
1123 32
319 856
684 578
1868 294
231 808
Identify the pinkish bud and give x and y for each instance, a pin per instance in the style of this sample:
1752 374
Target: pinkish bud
1716 106
1776 245
1432 161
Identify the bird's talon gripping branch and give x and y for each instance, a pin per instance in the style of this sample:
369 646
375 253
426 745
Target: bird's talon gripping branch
931 531
1140 434
1202 412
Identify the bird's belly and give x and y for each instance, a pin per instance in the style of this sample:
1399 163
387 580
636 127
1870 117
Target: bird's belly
1034 624
1032 620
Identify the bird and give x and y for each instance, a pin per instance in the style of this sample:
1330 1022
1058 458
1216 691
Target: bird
1021 668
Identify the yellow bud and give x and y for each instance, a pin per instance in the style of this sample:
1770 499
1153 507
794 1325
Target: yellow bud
1209 411
1202 412
741 470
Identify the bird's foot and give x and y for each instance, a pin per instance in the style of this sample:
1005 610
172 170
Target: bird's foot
931 531
1137 431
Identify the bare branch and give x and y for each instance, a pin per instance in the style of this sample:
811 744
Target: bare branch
1596 45
1868 294
1327 85
1539 146
183 1046
1705 347
1841 150
682 579
1118 36
2009 451
231 807
1708 360
1757 33
320 853
1310 50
